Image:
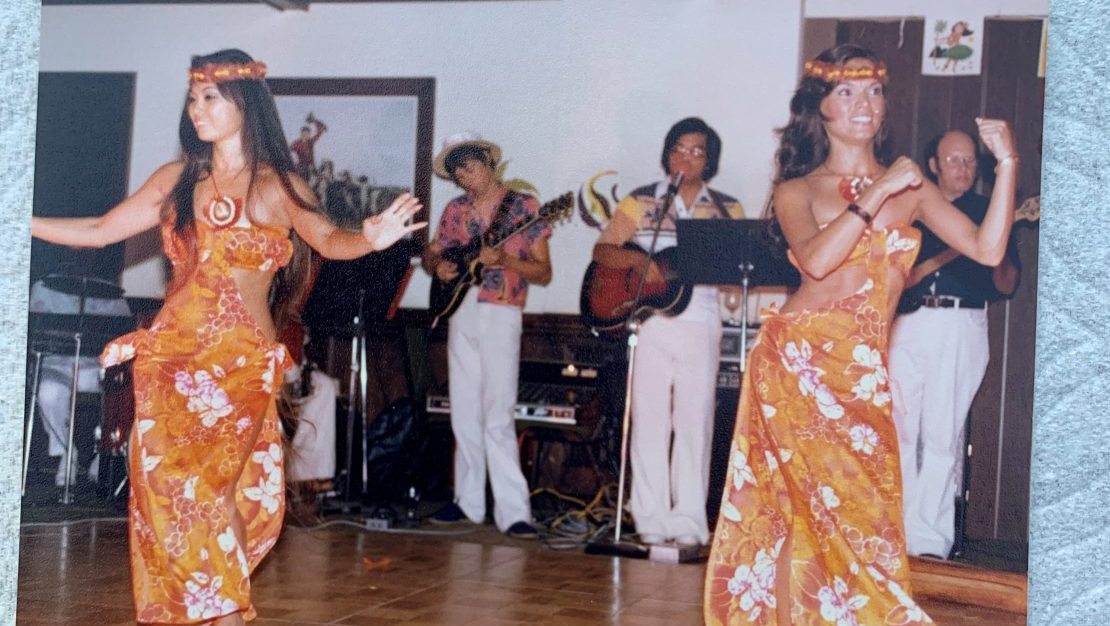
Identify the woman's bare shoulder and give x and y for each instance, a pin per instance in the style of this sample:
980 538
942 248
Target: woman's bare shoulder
168 173
796 192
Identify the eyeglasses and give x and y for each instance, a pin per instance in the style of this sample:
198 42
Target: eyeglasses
696 152
953 160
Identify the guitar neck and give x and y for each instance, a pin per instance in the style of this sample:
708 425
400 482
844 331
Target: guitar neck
500 240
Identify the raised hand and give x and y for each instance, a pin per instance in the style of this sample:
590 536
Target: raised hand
386 228
903 174
998 138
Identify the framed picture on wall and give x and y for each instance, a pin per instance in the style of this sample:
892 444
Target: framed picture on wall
359 142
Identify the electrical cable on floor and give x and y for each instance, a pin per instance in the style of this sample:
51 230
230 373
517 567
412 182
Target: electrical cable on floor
574 528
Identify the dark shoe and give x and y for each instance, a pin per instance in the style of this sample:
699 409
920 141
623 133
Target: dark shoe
449 514
522 530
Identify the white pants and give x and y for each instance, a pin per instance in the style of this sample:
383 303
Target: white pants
483 359
937 361
673 393
54 395
313 456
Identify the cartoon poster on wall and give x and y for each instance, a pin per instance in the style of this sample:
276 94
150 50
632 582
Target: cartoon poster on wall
953 45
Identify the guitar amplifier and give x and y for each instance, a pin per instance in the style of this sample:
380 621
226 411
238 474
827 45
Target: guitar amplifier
728 372
560 394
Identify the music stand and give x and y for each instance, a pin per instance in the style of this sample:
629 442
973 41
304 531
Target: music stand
733 252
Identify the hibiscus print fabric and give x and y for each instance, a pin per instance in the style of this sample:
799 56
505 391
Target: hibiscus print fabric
810 530
207 485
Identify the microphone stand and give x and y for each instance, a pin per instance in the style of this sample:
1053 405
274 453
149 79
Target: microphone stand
617 547
355 389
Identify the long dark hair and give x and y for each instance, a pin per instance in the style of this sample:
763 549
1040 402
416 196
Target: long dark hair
263 146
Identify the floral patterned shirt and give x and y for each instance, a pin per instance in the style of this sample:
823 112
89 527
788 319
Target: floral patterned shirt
464 220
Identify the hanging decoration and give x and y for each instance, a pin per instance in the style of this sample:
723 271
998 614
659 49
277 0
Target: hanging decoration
953 45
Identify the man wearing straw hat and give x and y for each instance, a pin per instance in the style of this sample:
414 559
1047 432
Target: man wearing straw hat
483 339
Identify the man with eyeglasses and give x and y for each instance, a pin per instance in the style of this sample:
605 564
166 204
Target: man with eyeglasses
939 351
675 377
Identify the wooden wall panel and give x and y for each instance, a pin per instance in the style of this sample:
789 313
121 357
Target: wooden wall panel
919 108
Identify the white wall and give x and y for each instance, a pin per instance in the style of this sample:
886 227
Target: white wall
567 88
918 8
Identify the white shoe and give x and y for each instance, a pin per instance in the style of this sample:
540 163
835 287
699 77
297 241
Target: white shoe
687 540
93 472
60 475
651 539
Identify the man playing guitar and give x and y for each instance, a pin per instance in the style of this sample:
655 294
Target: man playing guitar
674 386
483 338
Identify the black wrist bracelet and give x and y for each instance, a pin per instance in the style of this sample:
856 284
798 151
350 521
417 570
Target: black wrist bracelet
863 215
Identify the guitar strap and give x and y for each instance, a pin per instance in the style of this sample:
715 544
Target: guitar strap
715 196
500 217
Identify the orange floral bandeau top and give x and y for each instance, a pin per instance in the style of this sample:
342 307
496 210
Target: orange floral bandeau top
256 247
900 243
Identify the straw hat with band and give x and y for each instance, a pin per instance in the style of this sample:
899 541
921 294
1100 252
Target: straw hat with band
462 140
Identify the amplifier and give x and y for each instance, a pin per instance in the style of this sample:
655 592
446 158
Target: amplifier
728 372
728 376
730 343
549 393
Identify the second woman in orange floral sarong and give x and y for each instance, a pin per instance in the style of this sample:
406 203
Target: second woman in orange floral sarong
810 530
206 463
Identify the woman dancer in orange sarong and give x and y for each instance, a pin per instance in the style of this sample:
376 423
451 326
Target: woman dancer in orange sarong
810 530
207 487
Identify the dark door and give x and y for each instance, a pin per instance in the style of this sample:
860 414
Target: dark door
82 159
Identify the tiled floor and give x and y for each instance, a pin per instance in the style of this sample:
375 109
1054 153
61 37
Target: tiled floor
77 575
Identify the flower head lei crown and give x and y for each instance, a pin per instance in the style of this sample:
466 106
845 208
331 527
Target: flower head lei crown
220 72
832 73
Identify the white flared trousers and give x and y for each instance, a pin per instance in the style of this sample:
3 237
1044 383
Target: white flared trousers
483 358
937 361
673 397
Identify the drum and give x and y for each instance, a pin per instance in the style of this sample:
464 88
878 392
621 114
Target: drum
117 414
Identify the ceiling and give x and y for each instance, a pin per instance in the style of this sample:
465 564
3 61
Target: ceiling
281 5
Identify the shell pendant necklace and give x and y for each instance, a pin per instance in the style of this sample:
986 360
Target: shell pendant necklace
223 210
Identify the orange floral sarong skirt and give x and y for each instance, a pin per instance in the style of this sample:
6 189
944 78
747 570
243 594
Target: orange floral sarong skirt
810 530
207 487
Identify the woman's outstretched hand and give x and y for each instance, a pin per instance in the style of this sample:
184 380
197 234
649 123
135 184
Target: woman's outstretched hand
389 226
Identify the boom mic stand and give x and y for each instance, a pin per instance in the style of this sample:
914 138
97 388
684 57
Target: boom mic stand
617 547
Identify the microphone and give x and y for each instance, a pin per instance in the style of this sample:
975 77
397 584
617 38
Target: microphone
672 189
665 204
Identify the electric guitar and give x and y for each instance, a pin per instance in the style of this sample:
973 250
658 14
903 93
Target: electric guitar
1029 211
606 300
446 296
